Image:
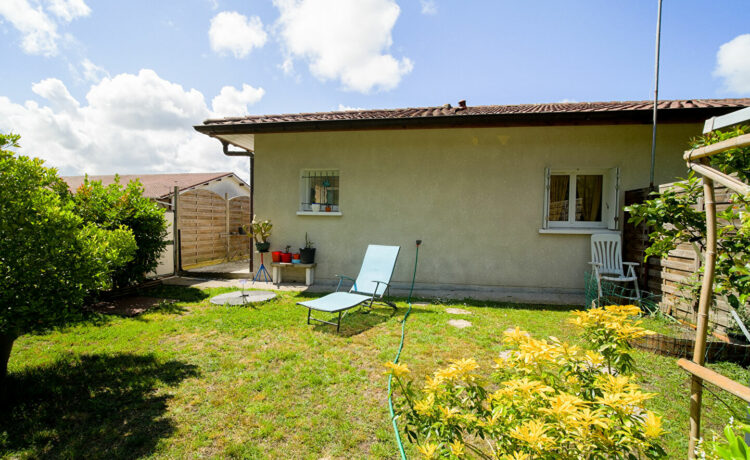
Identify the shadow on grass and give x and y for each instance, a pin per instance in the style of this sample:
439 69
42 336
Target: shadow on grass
97 406
493 304
179 293
357 321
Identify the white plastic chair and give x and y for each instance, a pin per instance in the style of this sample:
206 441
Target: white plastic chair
606 260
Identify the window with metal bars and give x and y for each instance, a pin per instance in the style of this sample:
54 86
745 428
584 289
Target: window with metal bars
319 190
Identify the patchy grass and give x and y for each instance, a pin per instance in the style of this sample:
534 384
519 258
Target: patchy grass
195 380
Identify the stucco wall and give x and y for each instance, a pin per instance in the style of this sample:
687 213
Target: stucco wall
474 195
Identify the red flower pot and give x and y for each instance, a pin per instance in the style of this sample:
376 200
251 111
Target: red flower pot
286 257
276 256
295 256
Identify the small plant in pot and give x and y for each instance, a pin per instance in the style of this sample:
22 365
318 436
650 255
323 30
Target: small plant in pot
261 230
307 254
286 256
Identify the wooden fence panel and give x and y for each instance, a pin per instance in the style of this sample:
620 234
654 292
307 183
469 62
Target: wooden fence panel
202 223
669 277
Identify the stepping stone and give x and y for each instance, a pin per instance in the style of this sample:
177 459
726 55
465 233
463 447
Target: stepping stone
459 323
513 329
457 311
242 298
420 304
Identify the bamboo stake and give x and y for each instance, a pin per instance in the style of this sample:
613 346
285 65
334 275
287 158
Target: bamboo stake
699 351
714 378
728 181
708 150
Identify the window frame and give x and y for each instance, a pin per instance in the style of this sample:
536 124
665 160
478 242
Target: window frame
609 211
305 209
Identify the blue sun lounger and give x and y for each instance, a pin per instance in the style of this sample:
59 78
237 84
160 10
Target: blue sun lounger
372 283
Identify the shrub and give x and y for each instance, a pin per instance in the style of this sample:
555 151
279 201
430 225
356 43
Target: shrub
115 206
50 259
673 219
547 399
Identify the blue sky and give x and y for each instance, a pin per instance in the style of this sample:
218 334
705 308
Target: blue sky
104 86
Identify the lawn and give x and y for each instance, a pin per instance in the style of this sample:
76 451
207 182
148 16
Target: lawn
196 380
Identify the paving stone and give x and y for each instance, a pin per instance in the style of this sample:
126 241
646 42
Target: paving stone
459 323
457 311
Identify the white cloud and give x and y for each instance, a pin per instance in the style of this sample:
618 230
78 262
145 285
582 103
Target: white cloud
92 72
287 66
344 40
39 31
733 64
130 124
67 10
233 102
346 108
57 94
428 7
231 32
146 101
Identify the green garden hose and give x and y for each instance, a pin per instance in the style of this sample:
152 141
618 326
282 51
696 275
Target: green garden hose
398 355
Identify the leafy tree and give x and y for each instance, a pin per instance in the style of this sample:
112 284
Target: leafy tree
50 259
114 206
674 219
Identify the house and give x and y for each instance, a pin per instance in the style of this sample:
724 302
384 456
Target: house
504 197
160 187
211 208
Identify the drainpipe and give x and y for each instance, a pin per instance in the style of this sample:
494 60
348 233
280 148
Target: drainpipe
251 156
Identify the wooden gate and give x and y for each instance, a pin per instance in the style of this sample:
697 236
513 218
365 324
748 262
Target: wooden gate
209 228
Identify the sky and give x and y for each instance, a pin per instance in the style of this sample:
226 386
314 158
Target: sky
104 87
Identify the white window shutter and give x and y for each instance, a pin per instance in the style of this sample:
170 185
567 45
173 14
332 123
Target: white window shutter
545 208
612 199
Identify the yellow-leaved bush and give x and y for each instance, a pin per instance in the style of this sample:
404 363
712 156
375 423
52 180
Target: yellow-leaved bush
546 399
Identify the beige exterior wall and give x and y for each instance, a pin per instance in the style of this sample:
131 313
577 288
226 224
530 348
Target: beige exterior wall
473 195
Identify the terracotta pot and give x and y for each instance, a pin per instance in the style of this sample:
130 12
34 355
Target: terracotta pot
295 256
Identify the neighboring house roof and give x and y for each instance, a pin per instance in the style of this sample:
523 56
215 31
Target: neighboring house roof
156 185
488 115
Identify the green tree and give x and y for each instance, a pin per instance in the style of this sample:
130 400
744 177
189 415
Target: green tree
50 259
114 206
674 218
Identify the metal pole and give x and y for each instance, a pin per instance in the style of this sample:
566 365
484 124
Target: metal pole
252 206
696 386
656 97
175 242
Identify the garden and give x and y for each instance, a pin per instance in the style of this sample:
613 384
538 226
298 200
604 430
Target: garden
192 379
189 378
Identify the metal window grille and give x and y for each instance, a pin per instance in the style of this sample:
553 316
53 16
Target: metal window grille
320 187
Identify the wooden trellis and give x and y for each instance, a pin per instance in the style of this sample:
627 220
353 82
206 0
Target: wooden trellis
697 160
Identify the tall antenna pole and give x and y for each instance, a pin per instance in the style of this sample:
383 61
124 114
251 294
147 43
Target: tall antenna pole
656 97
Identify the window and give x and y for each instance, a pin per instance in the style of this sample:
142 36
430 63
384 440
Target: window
319 191
581 199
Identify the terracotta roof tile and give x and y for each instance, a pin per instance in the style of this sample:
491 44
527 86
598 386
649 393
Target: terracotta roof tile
485 110
154 185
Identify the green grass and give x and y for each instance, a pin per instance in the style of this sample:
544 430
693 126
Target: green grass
196 380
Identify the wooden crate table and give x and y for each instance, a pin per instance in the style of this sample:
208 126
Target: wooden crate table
277 268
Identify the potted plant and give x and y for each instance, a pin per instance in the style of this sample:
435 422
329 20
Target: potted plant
295 258
307 254
286 256
261 230
315 207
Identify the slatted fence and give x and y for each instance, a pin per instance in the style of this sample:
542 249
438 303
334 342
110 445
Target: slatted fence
209 227
668 277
